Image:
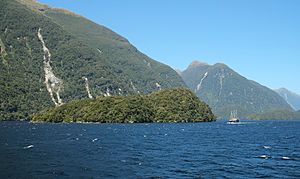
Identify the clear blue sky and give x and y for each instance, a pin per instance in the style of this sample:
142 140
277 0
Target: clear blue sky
260 39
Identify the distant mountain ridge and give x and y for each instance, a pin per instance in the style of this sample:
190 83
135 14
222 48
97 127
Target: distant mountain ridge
225 90
291 98
50 56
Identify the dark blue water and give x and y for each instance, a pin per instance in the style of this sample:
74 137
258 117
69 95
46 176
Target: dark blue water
259 149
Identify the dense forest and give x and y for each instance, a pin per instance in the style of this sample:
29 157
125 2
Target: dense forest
172 105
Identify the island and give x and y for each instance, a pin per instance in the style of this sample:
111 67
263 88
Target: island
168 105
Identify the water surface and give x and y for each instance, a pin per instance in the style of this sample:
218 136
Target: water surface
264 149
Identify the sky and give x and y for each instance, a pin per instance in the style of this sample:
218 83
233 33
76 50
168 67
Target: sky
260 39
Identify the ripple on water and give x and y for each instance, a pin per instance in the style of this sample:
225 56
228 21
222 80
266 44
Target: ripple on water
263 149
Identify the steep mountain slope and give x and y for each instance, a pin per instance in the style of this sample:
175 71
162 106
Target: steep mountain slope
291 98
45 62
225 90
117 50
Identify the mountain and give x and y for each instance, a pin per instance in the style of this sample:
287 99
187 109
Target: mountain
225 90
50 56
171 105
291 98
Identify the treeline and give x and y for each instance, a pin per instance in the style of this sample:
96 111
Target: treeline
172 105
277 115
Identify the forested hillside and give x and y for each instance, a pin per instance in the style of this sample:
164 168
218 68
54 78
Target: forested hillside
50 56
225 90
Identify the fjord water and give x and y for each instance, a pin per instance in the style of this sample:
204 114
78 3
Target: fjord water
251 149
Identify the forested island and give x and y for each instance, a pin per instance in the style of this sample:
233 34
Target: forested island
170 105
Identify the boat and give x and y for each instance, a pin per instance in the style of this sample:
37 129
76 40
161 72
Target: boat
233 117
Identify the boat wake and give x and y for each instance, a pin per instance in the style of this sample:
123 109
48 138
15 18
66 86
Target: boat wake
239 123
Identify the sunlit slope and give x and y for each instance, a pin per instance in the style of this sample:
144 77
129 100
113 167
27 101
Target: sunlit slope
225 90
44 62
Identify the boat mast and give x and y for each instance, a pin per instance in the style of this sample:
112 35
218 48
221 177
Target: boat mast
233 114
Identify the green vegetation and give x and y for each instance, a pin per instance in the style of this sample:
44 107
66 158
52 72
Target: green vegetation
225 90
117 50
173 105
276 115
79 48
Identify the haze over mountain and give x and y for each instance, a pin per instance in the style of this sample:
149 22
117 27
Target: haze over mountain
225 90
50 56
291 98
